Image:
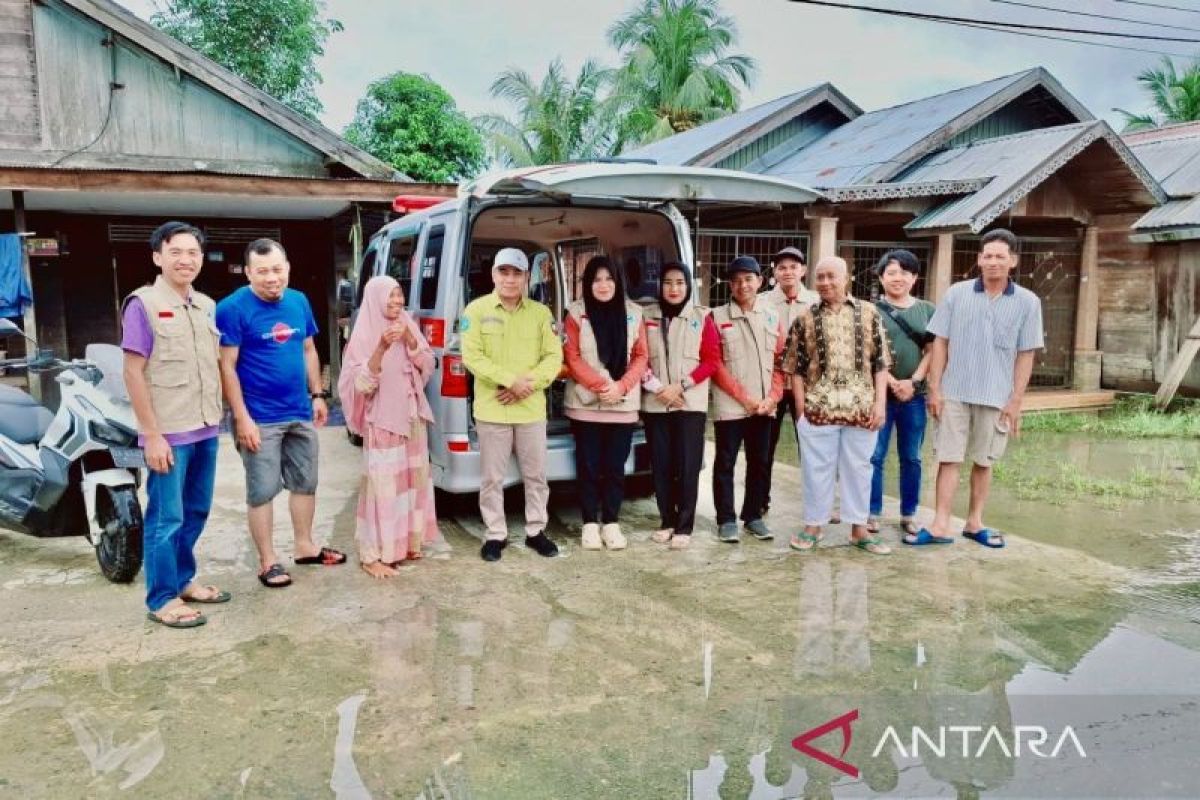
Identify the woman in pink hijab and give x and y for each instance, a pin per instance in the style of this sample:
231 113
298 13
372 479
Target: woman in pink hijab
382 386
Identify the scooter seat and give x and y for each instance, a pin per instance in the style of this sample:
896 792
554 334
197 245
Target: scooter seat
21 418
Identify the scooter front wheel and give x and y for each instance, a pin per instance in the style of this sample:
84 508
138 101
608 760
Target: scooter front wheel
119 545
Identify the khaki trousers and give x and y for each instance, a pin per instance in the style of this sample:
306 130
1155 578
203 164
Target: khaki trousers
497 444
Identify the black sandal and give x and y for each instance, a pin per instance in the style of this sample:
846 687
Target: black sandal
275 571
326 556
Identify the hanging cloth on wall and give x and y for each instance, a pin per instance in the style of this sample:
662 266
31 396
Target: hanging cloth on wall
15 293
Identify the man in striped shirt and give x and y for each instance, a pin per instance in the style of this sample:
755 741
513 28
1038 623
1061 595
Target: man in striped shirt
988 330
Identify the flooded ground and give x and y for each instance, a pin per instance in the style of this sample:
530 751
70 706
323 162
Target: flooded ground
642 674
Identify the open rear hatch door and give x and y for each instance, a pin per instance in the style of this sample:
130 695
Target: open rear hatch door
645 182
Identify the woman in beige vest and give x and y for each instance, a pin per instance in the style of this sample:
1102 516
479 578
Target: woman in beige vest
685 351
606 357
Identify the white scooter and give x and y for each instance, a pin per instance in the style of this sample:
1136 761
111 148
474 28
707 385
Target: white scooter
75 472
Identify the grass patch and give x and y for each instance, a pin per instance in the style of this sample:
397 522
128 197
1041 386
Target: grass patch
1133 417
1068 482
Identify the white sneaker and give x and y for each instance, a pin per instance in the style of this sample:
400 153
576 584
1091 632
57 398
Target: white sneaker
662 536
612 536
591 536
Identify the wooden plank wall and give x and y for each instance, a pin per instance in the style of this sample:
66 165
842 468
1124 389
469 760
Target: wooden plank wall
20 119
1178 290
1149 300
1128 302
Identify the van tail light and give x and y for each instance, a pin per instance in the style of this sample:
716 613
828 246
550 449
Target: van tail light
434 331
454 377
458 446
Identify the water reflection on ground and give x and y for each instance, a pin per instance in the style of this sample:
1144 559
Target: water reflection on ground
643 674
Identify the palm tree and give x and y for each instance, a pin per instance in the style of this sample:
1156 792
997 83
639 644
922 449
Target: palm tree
557 119
676 72
1176 96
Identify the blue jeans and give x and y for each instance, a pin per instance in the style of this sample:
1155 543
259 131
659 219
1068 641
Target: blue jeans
908 418
177 508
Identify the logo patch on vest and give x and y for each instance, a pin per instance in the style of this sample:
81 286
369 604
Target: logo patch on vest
166 314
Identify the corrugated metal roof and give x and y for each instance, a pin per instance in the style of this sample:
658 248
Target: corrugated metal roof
1017 164
863 145
1174 161
683 148
1176 213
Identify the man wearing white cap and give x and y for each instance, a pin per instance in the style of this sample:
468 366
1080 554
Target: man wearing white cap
510 346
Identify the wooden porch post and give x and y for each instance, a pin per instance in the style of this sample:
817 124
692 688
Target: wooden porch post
1085 371
822 233
18 204
941 267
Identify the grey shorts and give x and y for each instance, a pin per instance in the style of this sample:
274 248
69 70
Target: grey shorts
286 459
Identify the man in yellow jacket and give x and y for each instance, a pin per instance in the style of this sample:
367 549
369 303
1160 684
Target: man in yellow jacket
510 346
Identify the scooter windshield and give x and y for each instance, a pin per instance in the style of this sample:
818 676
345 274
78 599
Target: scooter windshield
109 359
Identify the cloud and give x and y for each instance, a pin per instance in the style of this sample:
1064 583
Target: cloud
877 61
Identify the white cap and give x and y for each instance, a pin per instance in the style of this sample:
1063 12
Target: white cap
511 257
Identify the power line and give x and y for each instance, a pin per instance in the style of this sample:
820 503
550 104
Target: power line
1050 37
1096 16
999 23
1158 5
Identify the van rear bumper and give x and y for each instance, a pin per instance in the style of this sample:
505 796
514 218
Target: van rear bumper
459 473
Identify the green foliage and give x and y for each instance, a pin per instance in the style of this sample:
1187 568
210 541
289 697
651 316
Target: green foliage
1132 418
558 119
1175 95
676 72
272 44
413 124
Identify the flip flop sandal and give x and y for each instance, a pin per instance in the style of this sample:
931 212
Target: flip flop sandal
986 537
328 557
872 526
414 555
275 571
813 541
177 622
220 596
924 536
873 545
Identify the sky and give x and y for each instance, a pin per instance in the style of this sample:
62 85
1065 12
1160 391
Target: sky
876 61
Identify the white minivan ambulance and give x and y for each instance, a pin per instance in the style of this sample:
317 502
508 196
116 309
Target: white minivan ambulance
560 216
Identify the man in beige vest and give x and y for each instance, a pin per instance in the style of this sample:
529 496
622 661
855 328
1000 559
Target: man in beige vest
790 297
170 343
746 394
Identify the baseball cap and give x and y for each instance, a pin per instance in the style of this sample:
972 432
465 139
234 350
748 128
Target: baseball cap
744 264
511 257
791 252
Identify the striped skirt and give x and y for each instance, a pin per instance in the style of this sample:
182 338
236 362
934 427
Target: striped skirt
395 503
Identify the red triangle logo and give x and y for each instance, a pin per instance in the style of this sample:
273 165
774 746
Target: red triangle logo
842 723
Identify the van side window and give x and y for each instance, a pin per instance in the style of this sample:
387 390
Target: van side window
400 262
431 267
366 271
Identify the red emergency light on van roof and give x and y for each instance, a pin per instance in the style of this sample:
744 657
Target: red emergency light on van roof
406 203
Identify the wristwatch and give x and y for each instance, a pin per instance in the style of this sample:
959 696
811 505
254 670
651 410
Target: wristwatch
318 395
686 382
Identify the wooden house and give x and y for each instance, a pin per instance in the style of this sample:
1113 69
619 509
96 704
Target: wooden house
109 127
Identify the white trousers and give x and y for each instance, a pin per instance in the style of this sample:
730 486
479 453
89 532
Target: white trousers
841 454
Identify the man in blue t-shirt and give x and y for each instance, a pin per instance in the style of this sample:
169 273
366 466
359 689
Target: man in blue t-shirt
272 380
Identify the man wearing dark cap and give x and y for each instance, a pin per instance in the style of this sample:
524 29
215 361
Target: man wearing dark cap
790 297
747 391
